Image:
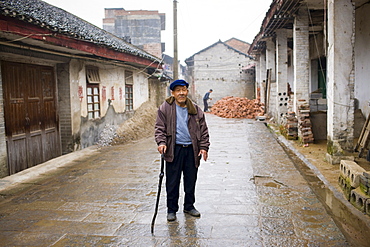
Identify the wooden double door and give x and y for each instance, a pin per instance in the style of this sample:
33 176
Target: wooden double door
31 122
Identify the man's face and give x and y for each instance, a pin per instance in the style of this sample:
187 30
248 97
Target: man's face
180 93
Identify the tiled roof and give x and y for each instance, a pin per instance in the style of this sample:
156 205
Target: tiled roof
58 20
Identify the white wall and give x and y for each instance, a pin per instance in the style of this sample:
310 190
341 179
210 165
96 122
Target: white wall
141 89
219 68
112 98
78 107
110 76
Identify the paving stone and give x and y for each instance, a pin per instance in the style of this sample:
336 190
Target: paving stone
249 194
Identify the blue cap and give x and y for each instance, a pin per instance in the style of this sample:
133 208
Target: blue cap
178 83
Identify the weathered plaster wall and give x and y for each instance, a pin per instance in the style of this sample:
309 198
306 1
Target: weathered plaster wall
271 58
340 77
113 79
272 88
362 64
141 89
112 99
77 76
281 73
91 129
261 72
157 91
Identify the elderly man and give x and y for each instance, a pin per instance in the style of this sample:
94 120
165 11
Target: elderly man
181 134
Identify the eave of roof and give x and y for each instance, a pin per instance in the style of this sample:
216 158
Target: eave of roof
59 21
279 15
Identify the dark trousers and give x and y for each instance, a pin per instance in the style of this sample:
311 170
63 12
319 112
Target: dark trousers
205 105
183 163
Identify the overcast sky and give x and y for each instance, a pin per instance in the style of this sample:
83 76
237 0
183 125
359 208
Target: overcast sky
200 23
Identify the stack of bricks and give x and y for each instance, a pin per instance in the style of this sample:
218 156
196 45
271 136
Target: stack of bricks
291 126
290 123
304 123
237 107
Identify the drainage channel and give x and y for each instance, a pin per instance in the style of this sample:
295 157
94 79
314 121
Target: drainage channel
353 224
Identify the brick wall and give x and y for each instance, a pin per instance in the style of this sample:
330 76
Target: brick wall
64 101
153 48
219 68
301 58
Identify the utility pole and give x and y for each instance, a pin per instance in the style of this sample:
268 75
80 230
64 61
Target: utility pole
175 55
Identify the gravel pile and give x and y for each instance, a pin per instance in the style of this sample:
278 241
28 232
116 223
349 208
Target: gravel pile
107 136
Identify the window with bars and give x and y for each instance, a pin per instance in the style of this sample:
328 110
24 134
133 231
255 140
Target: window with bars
129 95
129 98
93 101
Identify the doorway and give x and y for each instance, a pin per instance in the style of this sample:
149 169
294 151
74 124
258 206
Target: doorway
31 122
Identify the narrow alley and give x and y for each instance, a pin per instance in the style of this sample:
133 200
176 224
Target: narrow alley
249 194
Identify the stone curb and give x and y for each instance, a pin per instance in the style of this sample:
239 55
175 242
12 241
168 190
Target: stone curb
36 172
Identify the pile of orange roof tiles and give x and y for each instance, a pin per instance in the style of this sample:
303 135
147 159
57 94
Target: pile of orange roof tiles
236 107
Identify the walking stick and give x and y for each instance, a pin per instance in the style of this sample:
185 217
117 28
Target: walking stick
161 174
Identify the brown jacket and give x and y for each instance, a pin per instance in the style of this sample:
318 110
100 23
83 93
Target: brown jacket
165 128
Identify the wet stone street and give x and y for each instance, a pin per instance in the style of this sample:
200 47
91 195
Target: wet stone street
249 194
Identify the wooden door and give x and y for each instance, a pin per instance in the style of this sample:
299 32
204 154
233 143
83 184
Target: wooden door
31 122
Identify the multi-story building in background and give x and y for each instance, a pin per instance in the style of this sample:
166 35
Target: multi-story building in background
141 28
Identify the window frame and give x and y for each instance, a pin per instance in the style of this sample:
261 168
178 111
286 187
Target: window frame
129 97
93 101
92 74
129 90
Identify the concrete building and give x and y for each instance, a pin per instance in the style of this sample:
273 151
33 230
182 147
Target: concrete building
223 68
141 28
317 52
62 81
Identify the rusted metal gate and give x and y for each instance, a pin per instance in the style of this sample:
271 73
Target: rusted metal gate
31 122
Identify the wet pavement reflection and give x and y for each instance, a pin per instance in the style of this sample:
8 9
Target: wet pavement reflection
248 192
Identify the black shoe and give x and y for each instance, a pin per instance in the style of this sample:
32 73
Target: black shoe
192 212
171 217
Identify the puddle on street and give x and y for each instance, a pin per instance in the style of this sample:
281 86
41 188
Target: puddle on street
273 185
267 181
